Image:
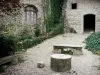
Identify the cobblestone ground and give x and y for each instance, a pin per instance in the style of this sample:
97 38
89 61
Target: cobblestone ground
81 65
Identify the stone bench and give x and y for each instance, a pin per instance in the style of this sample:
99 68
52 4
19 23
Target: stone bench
10 58
6 59
76 49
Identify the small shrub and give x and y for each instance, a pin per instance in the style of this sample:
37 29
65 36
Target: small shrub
25 34
93 42
27 43
4 67
3 28
57 30
37 31
8 45
7 28
25 37
66 52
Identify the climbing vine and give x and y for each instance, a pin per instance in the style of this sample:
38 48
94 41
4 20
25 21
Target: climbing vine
47 14
56 10
52 13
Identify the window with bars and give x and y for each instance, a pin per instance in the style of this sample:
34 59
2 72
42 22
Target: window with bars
31 14
74 5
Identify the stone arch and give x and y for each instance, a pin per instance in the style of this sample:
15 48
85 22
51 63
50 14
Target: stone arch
89 22
32 6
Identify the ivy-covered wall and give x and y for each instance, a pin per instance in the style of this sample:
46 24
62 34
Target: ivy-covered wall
13 22
52 13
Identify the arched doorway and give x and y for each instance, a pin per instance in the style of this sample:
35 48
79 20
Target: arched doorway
89 22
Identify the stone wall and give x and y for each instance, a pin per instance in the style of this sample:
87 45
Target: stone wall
37 4
10 22
75 17
18 20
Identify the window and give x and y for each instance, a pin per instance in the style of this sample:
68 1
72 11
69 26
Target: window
74 5
30 14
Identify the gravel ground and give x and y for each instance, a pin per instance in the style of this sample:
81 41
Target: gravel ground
81 65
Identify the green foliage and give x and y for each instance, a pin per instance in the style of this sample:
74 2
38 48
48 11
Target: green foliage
9 28
52 22
9 5
8 44
11 44
2 28
37 31
93 42
3 68
56 10
25 33
27 43
25 37
48 23
66 52
47 15
57 30
52 13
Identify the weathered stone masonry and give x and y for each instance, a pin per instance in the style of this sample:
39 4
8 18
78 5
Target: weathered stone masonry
37 4
29 15
75 17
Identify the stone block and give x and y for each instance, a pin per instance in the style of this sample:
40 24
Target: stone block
40 65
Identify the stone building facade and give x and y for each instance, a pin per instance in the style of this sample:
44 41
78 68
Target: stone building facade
26 19
83 15
32 14
32 11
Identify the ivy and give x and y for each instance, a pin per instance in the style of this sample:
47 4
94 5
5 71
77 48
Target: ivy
9 5
93 42
56 10
52 13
